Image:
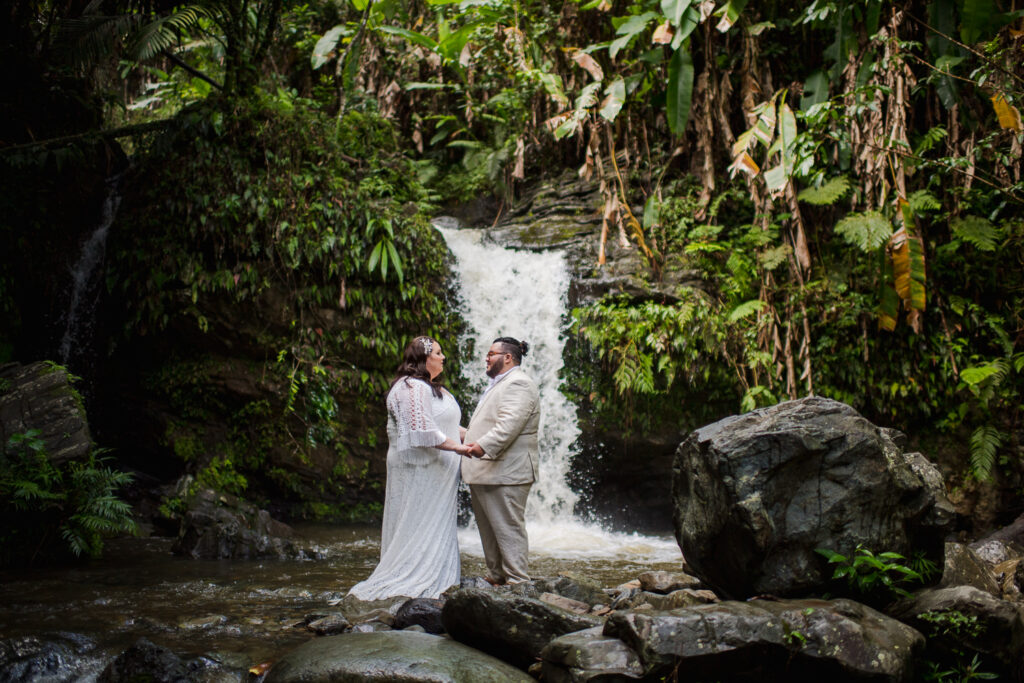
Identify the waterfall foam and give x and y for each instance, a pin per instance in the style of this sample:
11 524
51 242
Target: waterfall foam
524 294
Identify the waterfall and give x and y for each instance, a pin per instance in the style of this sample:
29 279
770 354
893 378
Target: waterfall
79 319
524 294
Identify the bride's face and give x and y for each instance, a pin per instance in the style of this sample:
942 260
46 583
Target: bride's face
435 361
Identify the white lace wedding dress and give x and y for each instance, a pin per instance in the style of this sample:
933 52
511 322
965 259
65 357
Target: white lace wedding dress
419 549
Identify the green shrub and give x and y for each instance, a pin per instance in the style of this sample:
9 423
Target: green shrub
49 510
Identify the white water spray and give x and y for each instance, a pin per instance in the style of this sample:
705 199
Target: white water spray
523 294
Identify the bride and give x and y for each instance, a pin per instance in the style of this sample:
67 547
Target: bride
419 550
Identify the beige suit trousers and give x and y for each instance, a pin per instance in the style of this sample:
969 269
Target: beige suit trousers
500 511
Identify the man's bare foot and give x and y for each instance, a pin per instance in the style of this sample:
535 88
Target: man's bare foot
494 582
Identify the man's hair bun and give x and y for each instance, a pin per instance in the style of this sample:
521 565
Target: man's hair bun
524 347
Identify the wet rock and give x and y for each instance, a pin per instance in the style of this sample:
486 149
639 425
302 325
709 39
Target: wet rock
962 567
770 640
329 625
372 626
200 623
145 661
757 494
55 658
512 627
400 656
589 655
996 628
422 612
562 602
40 396
220 526
994 551
685 597
666 582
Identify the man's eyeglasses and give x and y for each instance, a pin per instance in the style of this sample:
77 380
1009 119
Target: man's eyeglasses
497 353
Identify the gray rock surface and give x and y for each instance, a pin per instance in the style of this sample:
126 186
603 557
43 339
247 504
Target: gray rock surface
962 567
589 655
771 640
398 656
220 526
54 658
512 627
756 494
423 612
40 396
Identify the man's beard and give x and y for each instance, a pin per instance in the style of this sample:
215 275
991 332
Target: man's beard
496 369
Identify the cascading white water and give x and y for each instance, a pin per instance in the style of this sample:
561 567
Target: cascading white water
523 294
79 316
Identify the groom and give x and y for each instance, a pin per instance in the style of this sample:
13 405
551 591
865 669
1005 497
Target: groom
502 444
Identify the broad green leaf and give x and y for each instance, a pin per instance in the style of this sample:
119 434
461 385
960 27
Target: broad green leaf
674 9
451 46
980 373
614 99
652 211
375 255
325 46
815 90
978 20
629 30
690 21
411 36
680 89
730 13
360 5
775 178
787 136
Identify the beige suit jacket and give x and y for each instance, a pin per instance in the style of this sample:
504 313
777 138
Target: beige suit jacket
505 425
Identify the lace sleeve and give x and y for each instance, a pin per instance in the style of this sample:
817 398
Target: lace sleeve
410 404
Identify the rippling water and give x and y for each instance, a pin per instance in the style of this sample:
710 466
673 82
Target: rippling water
249 609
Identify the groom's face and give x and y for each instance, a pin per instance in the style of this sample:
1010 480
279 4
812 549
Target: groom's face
497 360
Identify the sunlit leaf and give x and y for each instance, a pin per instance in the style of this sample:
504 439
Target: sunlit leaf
867 231
325 46
614 99
1009 115
828 193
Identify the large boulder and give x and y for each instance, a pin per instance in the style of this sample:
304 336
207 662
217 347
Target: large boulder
770 640
220 526
393 656
512 627
39 396
756 495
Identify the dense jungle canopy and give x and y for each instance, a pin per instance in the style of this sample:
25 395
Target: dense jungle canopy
840 178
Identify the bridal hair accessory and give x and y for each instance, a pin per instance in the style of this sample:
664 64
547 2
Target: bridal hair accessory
427 345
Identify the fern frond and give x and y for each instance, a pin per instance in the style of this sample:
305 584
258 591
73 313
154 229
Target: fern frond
923 200
166 32
977 374
977 231
867 231
829 193
985 442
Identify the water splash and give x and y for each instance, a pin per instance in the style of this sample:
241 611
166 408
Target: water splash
79 319
524 294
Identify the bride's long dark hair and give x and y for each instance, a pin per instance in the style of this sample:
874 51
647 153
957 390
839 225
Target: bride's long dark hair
414 364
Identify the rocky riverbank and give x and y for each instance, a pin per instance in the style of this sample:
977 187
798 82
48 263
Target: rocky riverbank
789 494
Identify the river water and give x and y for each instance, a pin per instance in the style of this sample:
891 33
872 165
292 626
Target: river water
247 611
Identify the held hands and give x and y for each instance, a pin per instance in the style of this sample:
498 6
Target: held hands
473 450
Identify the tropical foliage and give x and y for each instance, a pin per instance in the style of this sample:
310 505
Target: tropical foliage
51 510
839 181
